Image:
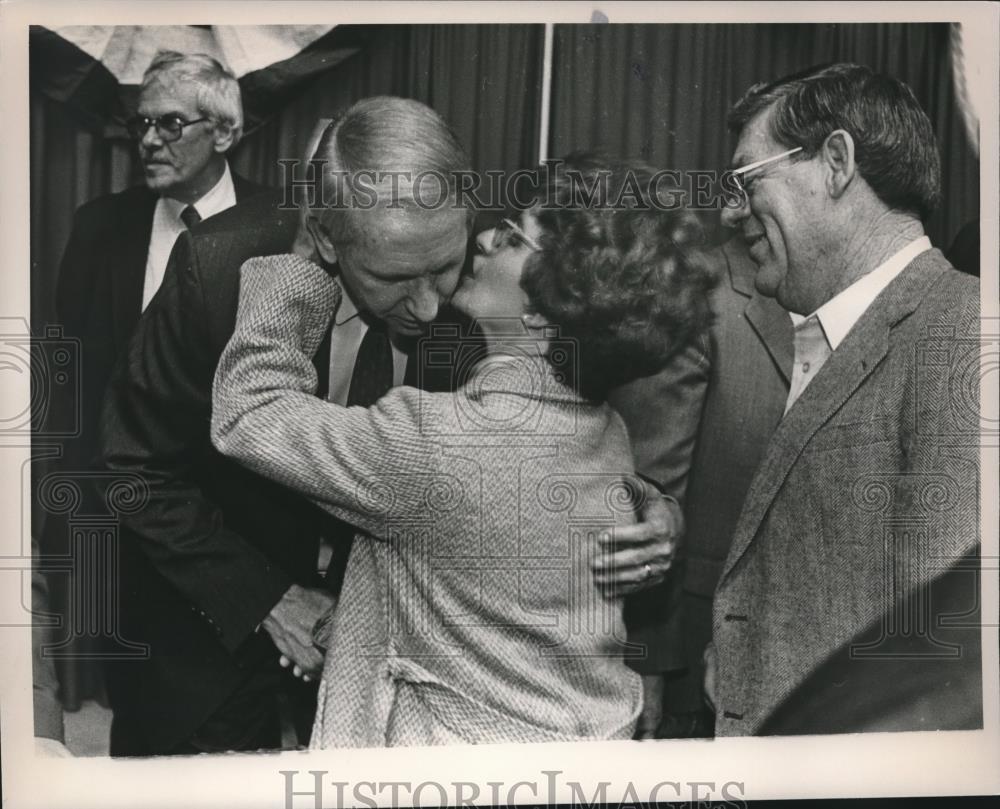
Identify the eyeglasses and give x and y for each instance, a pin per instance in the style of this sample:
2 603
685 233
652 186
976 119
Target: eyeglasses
169 127
737 176
507 231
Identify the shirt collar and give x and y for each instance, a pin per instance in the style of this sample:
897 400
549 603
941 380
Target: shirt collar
839 314
220 196
348 309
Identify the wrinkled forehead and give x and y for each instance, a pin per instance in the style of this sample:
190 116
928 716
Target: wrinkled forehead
168 93
411 240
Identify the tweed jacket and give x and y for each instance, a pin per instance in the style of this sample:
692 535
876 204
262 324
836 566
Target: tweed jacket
868 490
469 611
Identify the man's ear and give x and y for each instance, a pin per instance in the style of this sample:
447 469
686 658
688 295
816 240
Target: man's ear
223 138
838 154
321 239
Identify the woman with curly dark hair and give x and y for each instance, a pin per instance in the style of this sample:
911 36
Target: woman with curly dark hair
469 613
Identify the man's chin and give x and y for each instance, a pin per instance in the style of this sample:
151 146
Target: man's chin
407 329
158 183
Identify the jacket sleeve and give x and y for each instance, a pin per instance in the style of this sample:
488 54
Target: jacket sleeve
351 461
155 425
662 413
75 280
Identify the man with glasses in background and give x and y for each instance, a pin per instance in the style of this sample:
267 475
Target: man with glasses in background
190 116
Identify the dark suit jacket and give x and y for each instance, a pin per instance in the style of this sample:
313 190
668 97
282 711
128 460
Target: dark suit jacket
698 428
750 368
215 546
661 413
746 376
99 293
869 489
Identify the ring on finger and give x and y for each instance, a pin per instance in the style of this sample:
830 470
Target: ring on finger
647 571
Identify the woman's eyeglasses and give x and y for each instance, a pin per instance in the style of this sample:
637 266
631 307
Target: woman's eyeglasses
507 232
169 127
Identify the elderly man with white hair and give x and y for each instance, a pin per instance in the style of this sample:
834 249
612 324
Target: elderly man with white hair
189 117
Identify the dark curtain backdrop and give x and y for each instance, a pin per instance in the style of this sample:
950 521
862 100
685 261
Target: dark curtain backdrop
484 80
655 92
660 93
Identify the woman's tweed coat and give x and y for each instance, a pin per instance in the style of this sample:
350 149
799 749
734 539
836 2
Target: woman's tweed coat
469 612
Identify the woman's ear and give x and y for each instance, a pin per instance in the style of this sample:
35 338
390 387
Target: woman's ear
321 239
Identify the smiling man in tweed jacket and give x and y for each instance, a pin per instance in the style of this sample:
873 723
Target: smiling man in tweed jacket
869 488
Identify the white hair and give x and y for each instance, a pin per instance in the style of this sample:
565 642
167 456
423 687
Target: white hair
218 91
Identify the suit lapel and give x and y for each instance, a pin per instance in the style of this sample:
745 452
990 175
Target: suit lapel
127 264
128 253
773 326
864 348
766 317
243 189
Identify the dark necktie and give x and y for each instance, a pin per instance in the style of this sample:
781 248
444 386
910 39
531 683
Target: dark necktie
372 376
371 379
190 216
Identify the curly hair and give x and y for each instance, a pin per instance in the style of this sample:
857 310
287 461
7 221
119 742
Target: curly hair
622 275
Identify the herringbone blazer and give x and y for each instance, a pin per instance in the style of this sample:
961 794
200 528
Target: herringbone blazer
868 489
469 610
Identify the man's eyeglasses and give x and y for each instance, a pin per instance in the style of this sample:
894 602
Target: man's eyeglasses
737 177
508 231
169 127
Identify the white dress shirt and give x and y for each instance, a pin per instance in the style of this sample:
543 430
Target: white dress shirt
349 330
837 316
167 226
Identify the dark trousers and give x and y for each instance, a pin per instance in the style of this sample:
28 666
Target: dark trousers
685 714
250 719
